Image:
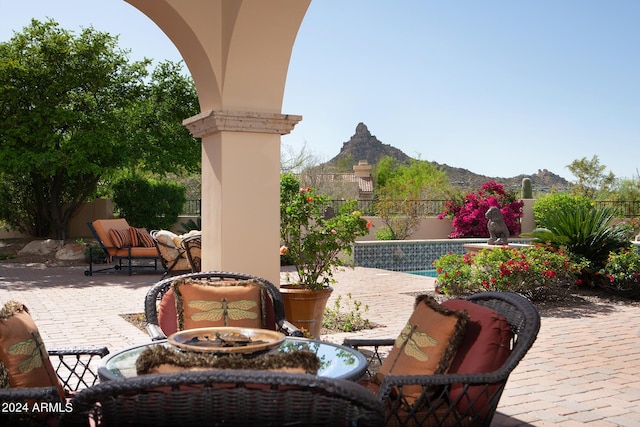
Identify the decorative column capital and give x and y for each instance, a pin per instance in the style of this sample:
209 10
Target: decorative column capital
214 121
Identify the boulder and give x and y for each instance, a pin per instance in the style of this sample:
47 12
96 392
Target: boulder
71 252
40 247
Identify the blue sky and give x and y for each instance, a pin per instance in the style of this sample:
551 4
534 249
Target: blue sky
500 88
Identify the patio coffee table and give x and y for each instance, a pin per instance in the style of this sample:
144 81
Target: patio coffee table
336 361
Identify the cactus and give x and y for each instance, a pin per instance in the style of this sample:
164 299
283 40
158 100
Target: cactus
527 191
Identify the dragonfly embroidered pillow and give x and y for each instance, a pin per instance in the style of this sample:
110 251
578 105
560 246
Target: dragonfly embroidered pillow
237 303
426 344
22 352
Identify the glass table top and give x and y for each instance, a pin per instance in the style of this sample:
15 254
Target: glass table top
336 361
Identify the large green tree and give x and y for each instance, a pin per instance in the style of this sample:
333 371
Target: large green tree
592 181
400 193
76 111
627 190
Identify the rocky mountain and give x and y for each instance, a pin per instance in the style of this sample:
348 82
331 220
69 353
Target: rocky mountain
365 146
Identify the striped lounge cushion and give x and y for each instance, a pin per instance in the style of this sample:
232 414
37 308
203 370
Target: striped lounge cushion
144 238
120 238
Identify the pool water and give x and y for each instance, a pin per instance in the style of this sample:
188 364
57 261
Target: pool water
428 273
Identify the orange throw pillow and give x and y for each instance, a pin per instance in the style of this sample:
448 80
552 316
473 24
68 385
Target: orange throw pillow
427 343
120 238
22 351
203 304
144 238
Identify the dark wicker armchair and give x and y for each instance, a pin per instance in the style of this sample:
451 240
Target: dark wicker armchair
476 396
156 294
75 370
225 397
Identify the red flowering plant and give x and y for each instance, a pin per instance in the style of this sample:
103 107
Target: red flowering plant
468 216
530 271
314 240
621 273
454 273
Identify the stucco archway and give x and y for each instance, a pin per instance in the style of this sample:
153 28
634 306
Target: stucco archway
238 54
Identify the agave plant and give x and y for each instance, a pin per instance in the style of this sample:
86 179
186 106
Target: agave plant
583 231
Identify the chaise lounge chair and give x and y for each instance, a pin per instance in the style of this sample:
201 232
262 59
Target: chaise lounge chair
120 242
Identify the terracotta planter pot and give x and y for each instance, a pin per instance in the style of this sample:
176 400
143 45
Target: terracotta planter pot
305 308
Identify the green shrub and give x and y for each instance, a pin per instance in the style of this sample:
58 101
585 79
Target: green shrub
334 318
621 274
550 203
530 271
149 203
582 230
455 275
385 233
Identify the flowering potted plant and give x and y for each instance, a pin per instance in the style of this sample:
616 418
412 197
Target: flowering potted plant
315 239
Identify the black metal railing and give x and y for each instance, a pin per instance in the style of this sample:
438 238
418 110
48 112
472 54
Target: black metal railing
625 209
367 207
192 208
397 207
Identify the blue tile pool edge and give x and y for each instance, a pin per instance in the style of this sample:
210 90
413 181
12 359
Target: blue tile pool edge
409 255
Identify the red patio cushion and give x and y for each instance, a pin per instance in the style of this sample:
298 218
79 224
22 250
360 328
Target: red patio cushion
167 313
485 347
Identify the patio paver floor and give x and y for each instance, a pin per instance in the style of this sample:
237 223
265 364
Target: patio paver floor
584 368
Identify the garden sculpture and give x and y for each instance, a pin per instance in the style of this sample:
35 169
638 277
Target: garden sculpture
498 231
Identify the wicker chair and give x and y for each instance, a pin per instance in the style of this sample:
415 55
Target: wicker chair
157 292
75 370
193 247
435 406
225 397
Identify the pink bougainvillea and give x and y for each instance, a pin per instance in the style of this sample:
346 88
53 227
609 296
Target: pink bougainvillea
468 218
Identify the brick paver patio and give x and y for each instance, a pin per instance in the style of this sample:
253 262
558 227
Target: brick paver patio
584 368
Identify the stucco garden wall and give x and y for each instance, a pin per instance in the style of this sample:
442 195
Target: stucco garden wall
430 227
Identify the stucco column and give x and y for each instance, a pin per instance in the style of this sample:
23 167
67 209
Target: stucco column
237 52
241 189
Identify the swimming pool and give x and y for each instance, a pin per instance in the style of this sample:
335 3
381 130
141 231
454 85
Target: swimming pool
428 273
